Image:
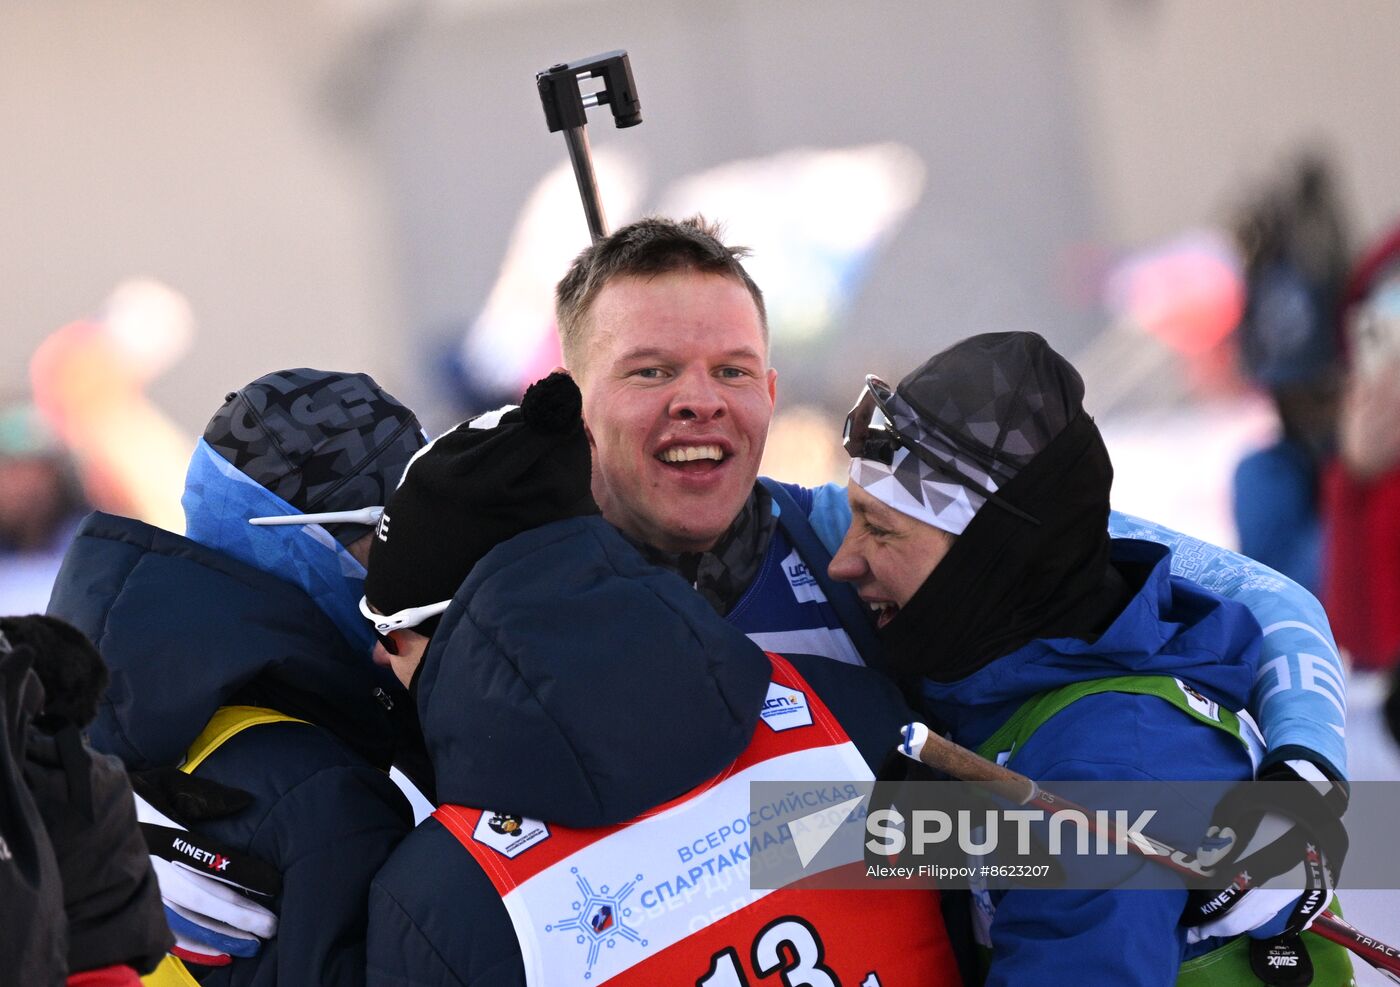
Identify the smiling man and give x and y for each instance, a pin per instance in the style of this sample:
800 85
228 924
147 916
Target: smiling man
895 555
980 489
667 336
679 400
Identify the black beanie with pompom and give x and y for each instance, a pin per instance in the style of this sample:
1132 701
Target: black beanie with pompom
487 480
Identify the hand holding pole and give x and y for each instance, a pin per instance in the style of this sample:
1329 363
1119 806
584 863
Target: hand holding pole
922 744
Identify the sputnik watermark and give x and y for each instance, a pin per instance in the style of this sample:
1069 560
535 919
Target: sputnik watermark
1093 835
1112 832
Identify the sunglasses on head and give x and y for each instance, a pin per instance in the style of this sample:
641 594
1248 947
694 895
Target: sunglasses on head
870 433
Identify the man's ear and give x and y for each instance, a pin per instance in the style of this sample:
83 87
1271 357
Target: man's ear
772 386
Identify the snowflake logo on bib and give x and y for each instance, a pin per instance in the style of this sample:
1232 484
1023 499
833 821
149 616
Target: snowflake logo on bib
600 918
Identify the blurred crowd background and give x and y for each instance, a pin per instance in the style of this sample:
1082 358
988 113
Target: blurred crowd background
1195 201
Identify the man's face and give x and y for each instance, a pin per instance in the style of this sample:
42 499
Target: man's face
401 650
403 661
886 555
677 397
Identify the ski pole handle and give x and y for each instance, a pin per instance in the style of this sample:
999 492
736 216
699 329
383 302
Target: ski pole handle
921 744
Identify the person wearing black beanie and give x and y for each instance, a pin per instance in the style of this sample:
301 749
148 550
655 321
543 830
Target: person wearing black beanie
485 481
979 488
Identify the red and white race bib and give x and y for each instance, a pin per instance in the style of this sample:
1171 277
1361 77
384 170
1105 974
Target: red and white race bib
665 898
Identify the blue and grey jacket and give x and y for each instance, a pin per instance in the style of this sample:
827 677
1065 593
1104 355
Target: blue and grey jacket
791 606
1298 697
1169 628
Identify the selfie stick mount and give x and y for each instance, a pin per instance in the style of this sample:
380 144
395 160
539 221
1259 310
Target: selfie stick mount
566 108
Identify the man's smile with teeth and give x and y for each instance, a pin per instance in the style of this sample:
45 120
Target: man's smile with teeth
884 612
688 454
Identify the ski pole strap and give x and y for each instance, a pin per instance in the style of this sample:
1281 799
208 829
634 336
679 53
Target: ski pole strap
1012 734
793 520
1229 963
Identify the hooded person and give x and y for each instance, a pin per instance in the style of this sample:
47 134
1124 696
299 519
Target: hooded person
980 494
586 712
238 654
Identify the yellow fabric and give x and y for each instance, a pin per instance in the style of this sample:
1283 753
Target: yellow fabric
170 973
227 722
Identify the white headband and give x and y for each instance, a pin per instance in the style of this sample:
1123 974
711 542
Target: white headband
909 486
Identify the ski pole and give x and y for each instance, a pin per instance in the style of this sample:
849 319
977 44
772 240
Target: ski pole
566 108
922 744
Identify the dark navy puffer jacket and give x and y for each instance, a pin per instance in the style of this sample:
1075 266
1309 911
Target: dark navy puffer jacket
573 682
185 630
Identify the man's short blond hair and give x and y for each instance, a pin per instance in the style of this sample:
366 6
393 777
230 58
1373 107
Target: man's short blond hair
651 246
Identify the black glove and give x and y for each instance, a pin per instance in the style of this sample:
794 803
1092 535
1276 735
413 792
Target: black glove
110 883
32 926
217 897
110 893
110 897
185 799
1285 832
